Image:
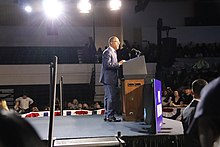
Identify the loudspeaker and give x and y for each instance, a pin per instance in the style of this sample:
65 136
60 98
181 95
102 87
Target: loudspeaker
167 51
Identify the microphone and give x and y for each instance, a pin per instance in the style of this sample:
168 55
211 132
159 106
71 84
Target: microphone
137 51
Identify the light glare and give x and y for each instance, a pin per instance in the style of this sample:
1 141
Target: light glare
52 8
28 9
84 6
115 4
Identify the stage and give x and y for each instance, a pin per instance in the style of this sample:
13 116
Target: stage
93 126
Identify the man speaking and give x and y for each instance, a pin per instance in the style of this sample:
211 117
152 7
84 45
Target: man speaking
109 78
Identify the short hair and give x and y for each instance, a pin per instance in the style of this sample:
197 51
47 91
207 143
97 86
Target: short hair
197 86
111 38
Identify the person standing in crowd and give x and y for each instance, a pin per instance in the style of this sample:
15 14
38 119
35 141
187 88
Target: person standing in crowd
109 78
23 103
192 139
207 115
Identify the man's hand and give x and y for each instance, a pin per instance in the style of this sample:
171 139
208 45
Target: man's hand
121 62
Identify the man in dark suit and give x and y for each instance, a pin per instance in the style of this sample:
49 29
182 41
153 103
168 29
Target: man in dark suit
192 139
109 78
207 115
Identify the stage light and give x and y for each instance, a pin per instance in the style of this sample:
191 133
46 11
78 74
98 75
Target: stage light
52 8
28 8
115 4
84 6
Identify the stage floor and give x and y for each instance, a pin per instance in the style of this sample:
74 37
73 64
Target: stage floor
94 126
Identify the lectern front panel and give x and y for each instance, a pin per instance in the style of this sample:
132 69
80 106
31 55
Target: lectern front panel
132 98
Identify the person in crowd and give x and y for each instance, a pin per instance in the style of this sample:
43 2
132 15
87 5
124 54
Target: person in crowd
75 104
177 100
46 108
35 109
169 91
3 105
207 115
69 106
23 103
108 77
85 106
187 96
97 106
201 64
188 114
166 98
17 132
99 53
57 104
16 106
80 106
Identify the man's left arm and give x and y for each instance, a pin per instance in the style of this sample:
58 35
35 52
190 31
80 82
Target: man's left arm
31 101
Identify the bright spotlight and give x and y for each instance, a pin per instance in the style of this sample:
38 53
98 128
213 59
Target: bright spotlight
84 6
115 4
52 8
28 9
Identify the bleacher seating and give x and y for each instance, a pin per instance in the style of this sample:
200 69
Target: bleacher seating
38 55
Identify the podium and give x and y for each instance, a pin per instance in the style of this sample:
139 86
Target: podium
134 74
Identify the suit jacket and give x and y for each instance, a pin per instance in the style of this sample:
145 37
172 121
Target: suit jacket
109 67
191 139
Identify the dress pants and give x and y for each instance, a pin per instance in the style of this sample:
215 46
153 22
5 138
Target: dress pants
110 100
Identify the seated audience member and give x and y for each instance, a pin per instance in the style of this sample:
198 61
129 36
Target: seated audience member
85 106
169 91
207 115
177 100
192 139
69 106
80 106
187 96
46 108
17 132
75 104
3 105
166 98
35 109
24 103
97 106
57 104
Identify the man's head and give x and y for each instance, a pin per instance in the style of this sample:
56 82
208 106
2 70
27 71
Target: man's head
114 42
187 91
197 86
24 96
